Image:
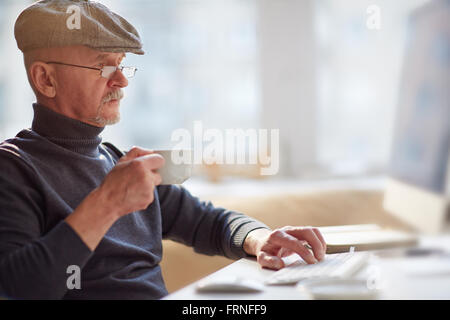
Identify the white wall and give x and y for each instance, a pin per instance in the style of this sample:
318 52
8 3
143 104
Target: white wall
287 77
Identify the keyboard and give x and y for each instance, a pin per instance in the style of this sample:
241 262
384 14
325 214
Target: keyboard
338 265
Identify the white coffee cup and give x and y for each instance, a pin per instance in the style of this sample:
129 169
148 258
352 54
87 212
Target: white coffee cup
175 169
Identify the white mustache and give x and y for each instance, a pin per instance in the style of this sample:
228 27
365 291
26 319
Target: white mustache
114 95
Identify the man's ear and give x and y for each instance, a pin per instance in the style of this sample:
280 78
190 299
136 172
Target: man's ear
42 76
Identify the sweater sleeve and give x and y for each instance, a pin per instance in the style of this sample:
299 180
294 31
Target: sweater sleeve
209 230
33 265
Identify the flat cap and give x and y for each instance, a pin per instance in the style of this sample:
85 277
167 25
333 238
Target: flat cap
61 23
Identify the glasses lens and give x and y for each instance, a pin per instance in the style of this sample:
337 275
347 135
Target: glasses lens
107 71
129 72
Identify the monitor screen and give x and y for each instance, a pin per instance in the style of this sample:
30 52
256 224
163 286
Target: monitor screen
420 149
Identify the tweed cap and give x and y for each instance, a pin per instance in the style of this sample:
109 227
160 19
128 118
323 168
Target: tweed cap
61 23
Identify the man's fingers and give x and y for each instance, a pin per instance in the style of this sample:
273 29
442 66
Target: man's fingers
158 179
285 240
311 237
152 161
269 261
283 252
136 152
321 238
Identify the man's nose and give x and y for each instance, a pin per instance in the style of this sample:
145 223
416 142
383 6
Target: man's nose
118 80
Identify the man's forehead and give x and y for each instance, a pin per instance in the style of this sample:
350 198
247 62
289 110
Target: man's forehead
106 55
90 55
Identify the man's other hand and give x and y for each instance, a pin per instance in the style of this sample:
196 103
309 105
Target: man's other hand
270 247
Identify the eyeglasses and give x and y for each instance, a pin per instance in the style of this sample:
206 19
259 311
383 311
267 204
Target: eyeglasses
106 71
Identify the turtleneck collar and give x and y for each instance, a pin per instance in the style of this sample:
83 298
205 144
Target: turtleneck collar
66 132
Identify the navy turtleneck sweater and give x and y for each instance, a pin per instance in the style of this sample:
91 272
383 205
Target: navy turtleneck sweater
45 173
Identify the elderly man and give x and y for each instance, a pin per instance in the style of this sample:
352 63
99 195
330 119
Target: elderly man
67 200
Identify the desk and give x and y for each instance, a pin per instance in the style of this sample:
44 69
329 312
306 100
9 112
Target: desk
400 277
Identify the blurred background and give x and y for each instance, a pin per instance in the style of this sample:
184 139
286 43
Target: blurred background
317 70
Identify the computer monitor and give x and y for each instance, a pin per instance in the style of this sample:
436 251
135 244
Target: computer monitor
417 190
